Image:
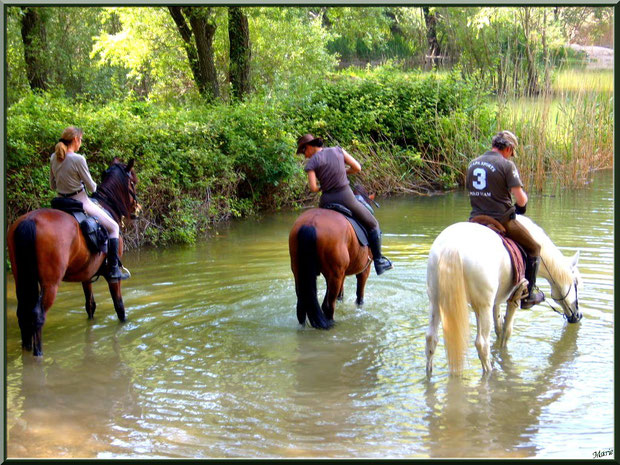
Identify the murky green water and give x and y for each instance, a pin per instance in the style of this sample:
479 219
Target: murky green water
212 361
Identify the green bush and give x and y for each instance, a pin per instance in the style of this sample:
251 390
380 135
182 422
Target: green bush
199 164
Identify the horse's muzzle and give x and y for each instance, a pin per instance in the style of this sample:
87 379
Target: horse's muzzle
574 318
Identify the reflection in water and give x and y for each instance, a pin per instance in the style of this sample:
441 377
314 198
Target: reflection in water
57 417
212 362
509 407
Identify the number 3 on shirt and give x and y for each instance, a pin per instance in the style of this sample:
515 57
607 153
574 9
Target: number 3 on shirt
481 178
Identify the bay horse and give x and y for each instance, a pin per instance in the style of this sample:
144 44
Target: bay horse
468 264
46 246
323 241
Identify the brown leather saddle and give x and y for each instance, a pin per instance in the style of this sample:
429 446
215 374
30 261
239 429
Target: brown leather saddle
516 252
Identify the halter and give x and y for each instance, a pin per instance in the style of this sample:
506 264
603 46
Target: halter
563 298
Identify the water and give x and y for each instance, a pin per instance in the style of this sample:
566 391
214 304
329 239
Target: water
212 362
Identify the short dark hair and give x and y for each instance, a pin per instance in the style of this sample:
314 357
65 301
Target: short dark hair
504 139
318 142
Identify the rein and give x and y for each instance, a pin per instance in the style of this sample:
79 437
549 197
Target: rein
107 193
565 296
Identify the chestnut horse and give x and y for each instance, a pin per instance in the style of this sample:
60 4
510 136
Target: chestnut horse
323 241
46 246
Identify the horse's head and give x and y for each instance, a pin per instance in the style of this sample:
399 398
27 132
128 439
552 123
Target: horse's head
118 189
566 294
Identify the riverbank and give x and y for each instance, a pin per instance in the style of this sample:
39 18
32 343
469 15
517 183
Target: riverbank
200 164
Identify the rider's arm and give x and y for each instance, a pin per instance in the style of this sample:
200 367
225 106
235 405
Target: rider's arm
312 183
354 166
519 195
52 180
82 169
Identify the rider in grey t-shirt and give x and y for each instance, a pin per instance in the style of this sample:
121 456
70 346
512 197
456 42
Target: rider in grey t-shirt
492 180
327 171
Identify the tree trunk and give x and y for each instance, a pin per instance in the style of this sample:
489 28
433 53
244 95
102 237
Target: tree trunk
240 52
200 49
532 73
35 45
431 34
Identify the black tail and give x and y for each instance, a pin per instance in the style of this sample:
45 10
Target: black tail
308 270
29 311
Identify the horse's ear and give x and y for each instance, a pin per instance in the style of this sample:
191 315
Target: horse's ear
130 165
574 260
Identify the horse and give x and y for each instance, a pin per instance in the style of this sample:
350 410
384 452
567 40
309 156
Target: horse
46 246
323 241
468 264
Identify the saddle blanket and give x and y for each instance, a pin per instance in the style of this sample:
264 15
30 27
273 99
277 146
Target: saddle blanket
360 232
517 254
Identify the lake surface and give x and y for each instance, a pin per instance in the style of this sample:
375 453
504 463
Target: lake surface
212 362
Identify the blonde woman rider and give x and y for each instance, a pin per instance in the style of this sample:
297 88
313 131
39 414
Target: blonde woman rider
70 177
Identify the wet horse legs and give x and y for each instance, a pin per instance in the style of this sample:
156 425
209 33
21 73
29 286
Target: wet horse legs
334 287
90 299
117 298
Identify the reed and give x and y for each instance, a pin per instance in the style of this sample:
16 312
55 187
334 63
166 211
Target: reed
566 134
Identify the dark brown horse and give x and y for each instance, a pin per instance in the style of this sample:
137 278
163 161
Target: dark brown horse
46 246
323 241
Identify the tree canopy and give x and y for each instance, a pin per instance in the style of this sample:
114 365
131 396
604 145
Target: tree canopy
163 52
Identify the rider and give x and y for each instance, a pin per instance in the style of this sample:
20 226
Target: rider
327 165
491 179
69 176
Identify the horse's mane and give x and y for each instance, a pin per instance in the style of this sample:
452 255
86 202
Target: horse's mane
553 258
113 190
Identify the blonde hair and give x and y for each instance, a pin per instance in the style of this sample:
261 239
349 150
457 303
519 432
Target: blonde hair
67 136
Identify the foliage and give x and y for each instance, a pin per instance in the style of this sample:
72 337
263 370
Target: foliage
200 164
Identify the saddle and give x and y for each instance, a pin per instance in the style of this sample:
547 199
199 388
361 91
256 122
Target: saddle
360 231
96 235
515 251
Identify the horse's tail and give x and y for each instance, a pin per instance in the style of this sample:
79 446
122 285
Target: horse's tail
453 308
307 272
26 274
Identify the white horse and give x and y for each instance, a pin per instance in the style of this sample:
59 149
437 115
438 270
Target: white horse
468 263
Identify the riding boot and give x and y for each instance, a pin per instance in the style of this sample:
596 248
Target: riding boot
534 297
114 270
374 241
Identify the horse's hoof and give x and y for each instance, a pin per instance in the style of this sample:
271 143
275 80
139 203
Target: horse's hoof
359 303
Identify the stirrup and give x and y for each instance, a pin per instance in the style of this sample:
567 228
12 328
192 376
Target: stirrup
535 297
383 264
119 272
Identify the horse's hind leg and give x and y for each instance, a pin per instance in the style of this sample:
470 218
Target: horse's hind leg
25 324
511 309
483 343
497 320
90 299
117 298
334 285
361 285
341 293
48 295
431 335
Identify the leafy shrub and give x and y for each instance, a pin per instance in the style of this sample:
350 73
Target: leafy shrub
200 164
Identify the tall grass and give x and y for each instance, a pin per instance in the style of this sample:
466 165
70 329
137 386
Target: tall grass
567 133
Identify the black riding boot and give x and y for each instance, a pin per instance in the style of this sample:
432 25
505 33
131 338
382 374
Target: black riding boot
534 297
374 241
114 270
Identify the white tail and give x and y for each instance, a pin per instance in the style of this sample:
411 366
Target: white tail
453 308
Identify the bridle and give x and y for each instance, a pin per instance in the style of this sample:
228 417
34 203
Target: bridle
563 299
132 189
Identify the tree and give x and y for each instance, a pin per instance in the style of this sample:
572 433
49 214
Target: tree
198 41
239 52
430 18
35 45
